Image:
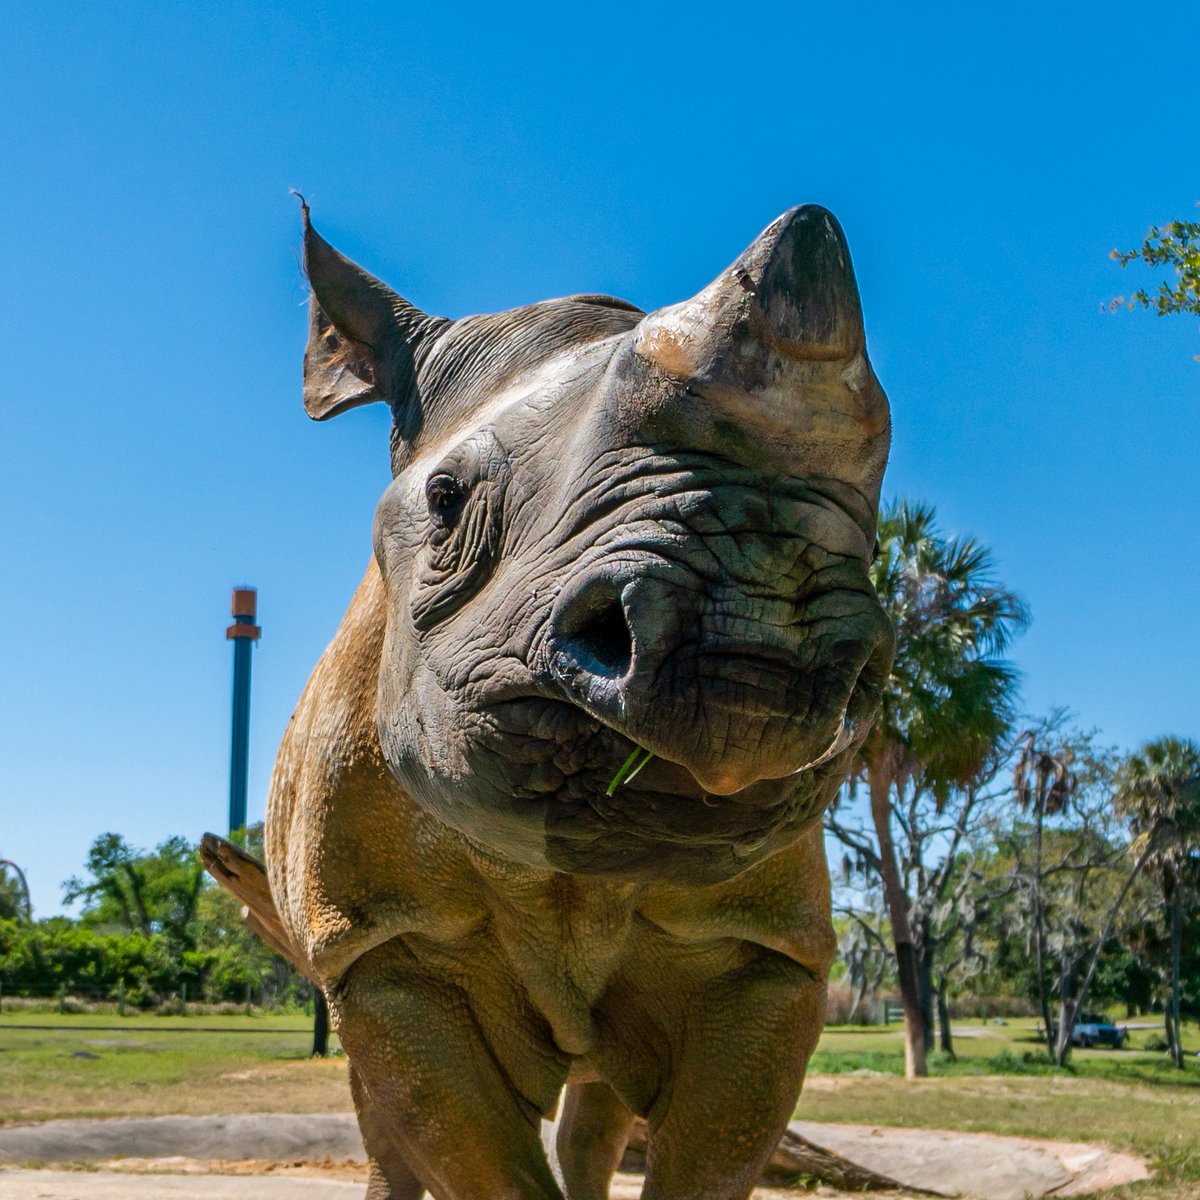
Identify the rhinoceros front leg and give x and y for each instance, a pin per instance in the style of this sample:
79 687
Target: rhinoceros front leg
739 1048
437 1095
592 1134
391 1177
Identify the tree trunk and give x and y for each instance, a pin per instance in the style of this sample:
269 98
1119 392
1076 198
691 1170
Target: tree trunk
1069 1004
860 990
1175 1038
925 981
943 1011
879 783
320 1047
139 901
1066 1024
1039 931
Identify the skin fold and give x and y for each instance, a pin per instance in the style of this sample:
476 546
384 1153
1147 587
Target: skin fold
605 531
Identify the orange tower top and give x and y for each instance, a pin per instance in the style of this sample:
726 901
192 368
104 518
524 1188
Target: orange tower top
245 609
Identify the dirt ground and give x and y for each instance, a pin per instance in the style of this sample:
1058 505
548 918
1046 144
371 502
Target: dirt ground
309 1182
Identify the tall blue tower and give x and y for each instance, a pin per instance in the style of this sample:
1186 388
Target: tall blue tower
243 633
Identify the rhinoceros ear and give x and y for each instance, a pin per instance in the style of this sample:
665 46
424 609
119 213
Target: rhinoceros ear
365 342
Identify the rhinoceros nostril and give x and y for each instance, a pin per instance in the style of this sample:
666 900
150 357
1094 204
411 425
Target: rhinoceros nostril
601 641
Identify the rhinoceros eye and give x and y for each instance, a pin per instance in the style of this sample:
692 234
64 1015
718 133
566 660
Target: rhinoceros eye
465 496
444 494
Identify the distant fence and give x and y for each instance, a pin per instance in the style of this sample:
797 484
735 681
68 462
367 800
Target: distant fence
848 1006
71 998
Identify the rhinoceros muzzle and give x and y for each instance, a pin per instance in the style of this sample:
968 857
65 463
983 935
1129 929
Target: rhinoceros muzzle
726 681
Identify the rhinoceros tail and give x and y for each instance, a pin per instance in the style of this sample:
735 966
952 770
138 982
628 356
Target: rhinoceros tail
245 878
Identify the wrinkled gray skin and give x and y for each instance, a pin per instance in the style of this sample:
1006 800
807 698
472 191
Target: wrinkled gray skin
606 530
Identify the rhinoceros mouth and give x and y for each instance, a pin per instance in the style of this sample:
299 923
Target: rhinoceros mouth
555 734
664 826
558 763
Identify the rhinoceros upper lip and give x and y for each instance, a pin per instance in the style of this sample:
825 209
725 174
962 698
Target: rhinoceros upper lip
841 739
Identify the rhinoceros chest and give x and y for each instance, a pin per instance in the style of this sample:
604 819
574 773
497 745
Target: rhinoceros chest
562 941
552 952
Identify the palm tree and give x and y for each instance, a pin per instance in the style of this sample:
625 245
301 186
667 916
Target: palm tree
1159 790
1042 784
946 706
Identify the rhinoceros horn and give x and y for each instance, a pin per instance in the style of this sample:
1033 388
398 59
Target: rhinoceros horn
775 345
365 342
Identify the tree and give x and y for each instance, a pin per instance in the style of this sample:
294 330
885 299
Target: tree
147 893
151 924
865 956
937 844
1042 784
1158 788
949 951
15 904
1075 872
946 706
1176 245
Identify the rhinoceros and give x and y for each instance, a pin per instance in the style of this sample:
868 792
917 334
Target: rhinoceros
610 536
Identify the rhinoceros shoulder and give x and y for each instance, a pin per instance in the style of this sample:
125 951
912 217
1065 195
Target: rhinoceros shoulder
353 860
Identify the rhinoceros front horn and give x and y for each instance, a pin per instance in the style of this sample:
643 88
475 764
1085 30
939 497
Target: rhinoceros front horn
365 343
775 345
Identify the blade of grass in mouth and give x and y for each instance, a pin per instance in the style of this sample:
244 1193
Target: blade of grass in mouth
629 768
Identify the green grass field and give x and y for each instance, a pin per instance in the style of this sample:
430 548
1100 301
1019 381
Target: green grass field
101 1065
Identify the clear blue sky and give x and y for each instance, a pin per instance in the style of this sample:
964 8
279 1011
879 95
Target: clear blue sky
153 449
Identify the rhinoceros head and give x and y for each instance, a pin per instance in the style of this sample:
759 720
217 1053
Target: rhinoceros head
610 530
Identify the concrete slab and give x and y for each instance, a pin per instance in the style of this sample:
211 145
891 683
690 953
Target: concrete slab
113 1185
951 1164
983 1165
277 1136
